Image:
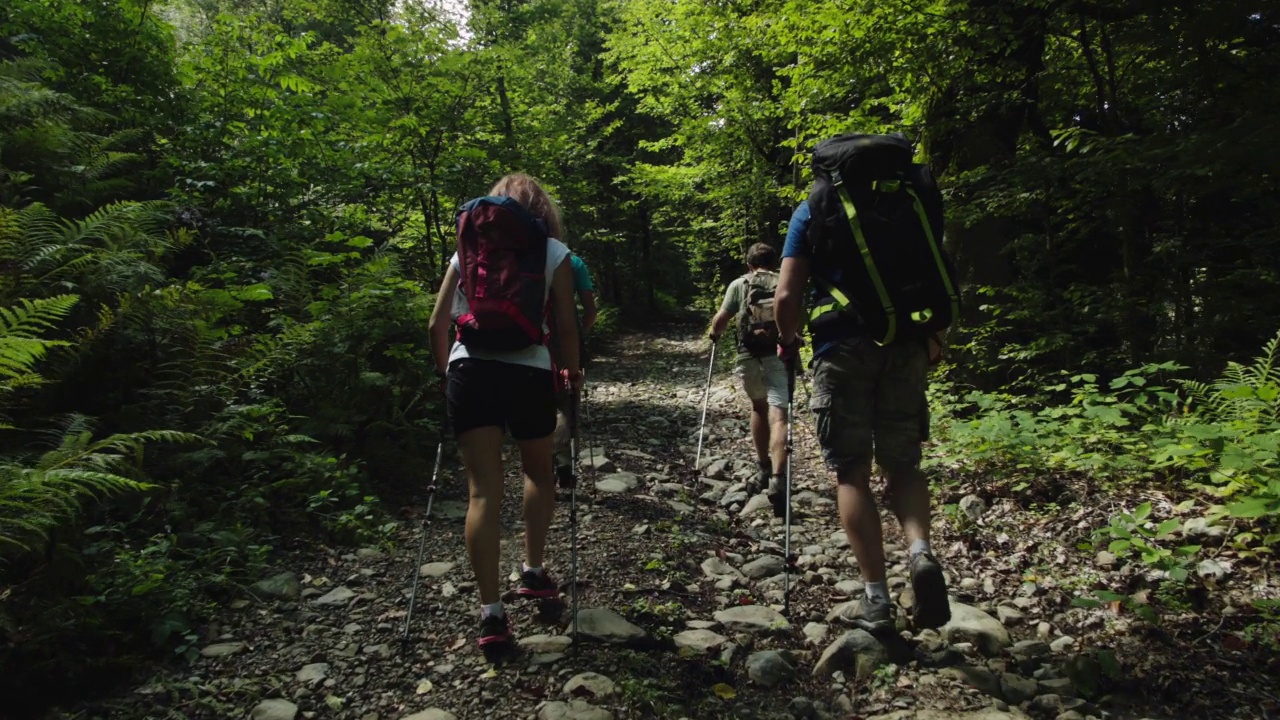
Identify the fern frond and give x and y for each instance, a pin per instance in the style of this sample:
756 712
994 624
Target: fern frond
30 317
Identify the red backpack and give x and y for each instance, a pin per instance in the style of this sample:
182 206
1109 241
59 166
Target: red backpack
502 263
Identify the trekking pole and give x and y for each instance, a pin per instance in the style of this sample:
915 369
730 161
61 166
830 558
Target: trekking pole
591 450
422 540
786 494
574 405
706 400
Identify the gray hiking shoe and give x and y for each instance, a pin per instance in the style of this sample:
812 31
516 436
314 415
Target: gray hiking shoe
777 494
874 616
932 608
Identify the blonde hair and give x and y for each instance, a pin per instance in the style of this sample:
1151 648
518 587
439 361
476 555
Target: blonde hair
526 191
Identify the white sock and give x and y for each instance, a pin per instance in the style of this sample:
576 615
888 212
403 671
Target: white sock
494 609
878 591
919 546
527 568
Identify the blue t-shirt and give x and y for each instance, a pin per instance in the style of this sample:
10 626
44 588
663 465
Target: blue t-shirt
581 276
797 245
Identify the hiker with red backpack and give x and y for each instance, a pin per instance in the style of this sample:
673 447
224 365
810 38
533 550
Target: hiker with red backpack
749 300
869 236
509 273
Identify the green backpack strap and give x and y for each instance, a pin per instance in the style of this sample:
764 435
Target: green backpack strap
852 214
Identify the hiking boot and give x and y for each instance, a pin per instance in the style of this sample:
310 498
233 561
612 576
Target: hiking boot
537 585
494 630
932 608
778 496
760 483
565 478
874 616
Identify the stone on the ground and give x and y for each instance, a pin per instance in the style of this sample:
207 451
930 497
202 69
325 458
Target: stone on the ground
589 684
620 482
699 640
717 469
606 625
450 509
973 507
1211 569
752 618
599 462
1062 643
340 595
765 566
1104 559
436 569
756 504
971 625
545 643
312 673
573 710
1017 689
855 652
1030 654
984 714
1203 527
1009 616
367 553
431 714
769 668
714 567
285 586
274 709
815 633
850 587
974 676
224 649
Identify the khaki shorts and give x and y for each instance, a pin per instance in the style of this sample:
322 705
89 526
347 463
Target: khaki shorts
764 378
870 401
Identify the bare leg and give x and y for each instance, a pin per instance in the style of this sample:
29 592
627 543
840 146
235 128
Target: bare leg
860 519
482 456
778 439
760 429
539 497
909 498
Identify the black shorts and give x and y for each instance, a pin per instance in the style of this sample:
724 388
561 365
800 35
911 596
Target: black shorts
490 393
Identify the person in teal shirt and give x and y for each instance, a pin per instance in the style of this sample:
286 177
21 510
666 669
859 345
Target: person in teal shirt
586 292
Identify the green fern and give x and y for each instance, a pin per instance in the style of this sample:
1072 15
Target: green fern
1247 395
37 499
20 326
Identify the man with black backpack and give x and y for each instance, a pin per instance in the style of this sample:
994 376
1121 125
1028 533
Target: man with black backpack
749 299
869 236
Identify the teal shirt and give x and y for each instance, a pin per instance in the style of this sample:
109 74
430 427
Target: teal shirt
581 276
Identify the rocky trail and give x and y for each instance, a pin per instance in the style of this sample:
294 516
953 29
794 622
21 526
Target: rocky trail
681 578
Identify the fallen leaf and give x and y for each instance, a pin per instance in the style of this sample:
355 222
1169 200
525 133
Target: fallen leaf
334 702
458 644
424 687
493 673
724 692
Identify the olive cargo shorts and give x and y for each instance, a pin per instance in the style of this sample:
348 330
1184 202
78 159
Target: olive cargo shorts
869 399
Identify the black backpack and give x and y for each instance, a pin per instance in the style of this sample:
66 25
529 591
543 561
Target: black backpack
878 216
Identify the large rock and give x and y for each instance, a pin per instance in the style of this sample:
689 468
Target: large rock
984 714
699 641
769 668
974 676
218 650
753 618
855 651
717 469
971 625
274 709
340 595
436 569
622 482
766 566
714 567
431 714
589 684
1017 689
545 643
285 586
608 626
573 710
